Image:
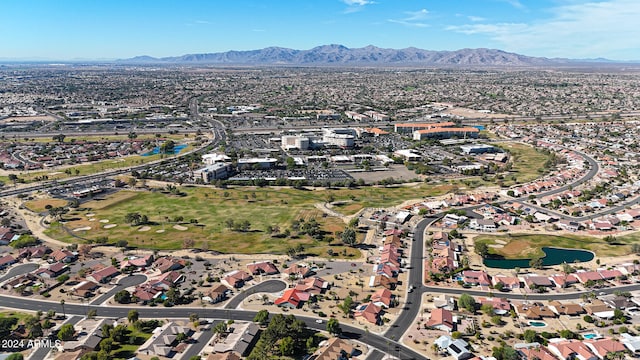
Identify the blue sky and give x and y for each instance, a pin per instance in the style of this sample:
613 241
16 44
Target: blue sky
109 29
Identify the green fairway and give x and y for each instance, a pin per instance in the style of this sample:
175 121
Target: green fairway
205 215
526 163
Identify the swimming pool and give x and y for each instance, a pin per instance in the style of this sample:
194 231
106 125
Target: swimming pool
590 336
156 150
537 324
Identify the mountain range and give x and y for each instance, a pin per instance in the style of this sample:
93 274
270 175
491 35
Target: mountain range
366 56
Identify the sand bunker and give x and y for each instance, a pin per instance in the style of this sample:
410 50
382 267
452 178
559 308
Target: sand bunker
90 215
501 242
110 226
104 221
180 227
160 231
496 246
84 228
92 219
144 228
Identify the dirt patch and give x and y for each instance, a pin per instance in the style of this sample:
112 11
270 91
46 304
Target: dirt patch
40 205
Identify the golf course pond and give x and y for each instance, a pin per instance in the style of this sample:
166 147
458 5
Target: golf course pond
553 256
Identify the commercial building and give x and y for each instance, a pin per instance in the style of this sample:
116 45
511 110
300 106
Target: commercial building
342 137
478 149
261 163
409 128
446 133
298 142
212 172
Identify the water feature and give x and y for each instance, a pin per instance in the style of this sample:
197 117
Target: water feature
553 256
156 150
537 323
591 336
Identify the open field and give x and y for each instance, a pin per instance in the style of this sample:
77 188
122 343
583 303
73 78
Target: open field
525 246
212 208
39 206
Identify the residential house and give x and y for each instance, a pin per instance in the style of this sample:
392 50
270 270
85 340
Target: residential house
85 289
239 339
299 270
105 275
536 352
508 282
370 312
217 294
585 276
602 347
314 285
381 280
534 311
475 277
534 281
163 340
334 349
168 263
631 342
264 267
441 319
292 298
571 349
34 252
563 281
501 306
62 255
569 309
482 224
53 271
6 235
456 348
137 262
382 298
237 278
7 261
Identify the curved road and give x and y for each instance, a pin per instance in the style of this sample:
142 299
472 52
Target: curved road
19 270
269 286
125 282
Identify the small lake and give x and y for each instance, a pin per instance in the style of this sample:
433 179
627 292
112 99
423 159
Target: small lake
553 256
156 150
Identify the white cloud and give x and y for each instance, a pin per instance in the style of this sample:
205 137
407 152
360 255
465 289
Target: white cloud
413 18
594 29
356 5
475 18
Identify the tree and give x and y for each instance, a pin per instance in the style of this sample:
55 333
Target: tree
536 263
496 320
262 317
106 345
59 138
482 249
220 327
133 316
467 302
123 297
168 147
333 327
133 218
530 336
287 346
487 309
16 356
504 352
348 237
66 332
346 305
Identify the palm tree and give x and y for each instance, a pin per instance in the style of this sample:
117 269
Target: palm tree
63 312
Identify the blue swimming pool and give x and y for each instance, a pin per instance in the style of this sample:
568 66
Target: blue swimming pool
537 323
590 336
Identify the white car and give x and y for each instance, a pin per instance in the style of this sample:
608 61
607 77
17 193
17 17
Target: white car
319 321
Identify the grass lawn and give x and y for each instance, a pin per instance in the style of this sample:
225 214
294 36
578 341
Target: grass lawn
525 246
126 350
262 207
526 162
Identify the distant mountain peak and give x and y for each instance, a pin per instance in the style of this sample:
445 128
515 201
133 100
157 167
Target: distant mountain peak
370 55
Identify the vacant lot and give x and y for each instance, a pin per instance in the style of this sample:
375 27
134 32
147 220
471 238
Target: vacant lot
523 246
